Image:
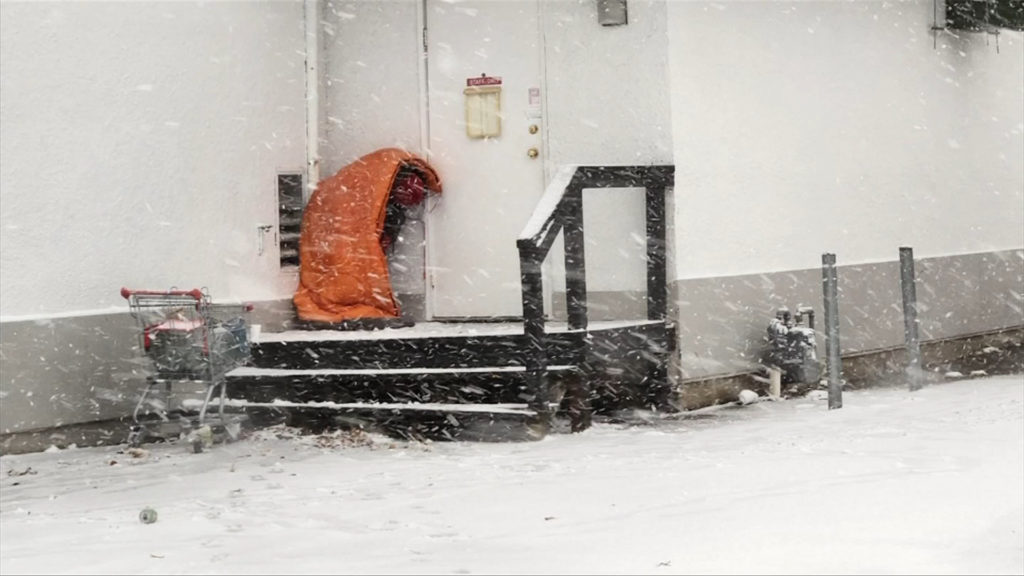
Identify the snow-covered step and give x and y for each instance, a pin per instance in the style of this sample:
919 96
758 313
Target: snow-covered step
507 408
419 420
441 345
416 376
494 385
254 372
471 351
424 330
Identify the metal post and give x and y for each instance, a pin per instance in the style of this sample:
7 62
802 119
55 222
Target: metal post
910 323
830 282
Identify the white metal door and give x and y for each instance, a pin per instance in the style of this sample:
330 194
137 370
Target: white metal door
492 184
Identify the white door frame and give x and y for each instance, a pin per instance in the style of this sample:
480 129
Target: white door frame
424 86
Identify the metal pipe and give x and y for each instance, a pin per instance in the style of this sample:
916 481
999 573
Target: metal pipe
830 282
774 381
311 13
424 110
908 288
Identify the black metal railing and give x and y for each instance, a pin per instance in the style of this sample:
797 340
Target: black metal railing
561 210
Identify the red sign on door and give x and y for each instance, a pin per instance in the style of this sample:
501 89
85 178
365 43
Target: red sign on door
484 80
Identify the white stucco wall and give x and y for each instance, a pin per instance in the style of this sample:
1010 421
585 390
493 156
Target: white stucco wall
809 127
140 146
608 102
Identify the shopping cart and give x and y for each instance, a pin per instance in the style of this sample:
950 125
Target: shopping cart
186 339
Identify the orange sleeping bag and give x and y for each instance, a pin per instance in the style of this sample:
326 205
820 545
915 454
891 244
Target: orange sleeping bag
343 271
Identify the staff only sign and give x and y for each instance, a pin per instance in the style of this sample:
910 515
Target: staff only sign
483 106
484 80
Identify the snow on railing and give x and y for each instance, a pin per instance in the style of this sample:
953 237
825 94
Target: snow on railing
543 214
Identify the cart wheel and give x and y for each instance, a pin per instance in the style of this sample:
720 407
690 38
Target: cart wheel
233 430
197 445
135 437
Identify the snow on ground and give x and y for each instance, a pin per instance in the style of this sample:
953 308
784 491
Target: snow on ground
894 482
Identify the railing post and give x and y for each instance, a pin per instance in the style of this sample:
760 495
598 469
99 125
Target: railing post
657 375
575 262
910 323
533 326
656 281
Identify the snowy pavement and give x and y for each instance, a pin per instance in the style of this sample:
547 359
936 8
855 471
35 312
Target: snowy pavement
930 482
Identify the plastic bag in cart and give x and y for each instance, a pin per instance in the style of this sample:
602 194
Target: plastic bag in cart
230 343
177 346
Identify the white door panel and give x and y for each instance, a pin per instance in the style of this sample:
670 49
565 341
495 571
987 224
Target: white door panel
491 185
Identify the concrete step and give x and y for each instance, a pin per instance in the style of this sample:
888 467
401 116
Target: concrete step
441 345
509 422
495 384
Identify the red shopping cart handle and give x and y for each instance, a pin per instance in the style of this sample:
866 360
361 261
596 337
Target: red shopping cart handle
195 293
